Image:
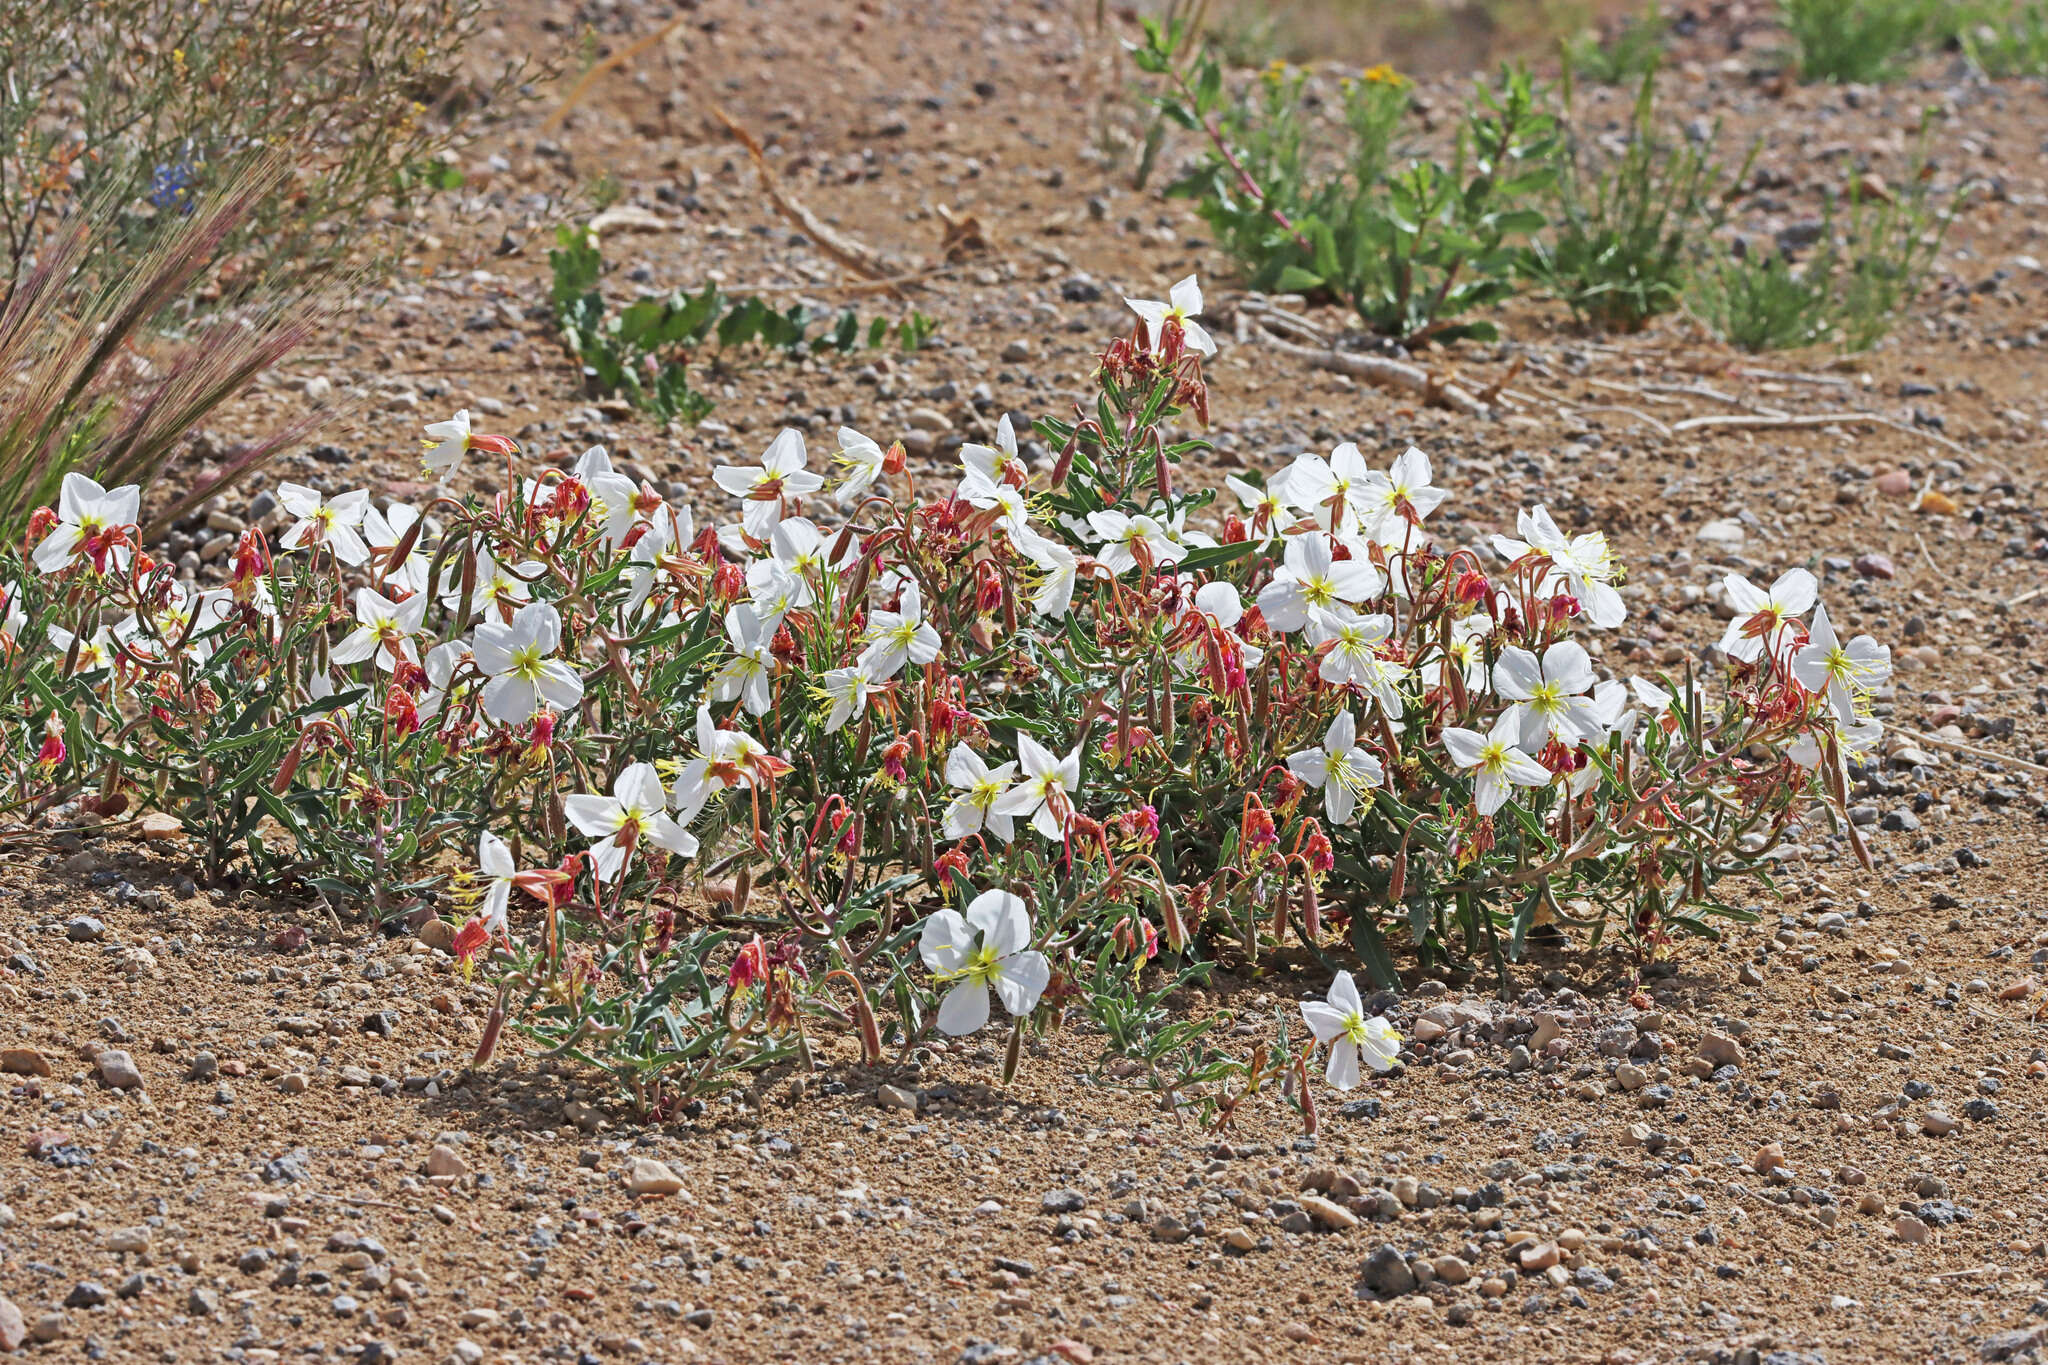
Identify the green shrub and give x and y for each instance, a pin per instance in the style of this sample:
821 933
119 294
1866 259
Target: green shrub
2001 40
1412 246
1634 51
146 104
1624 237
644 351
1857 40
1853 289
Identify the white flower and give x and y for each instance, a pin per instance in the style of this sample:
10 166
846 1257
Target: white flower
1762 618
978 489
1466 653
1184 301
326 521
979 786
636 807
1854 743
991 946
12 617
516 659
862 459
384 630
1311 576
494 861
775 592
1220 604
1499 763
1344 771
997 463
1123 535
448 442
93 522
1548 696
498 586
1584 564
1847 673
726 759
779 477
1055 593
1265 511
1337 492
746 675
1047 790
1400 498
1341 1022
382 531
847 689
1349 644
899 637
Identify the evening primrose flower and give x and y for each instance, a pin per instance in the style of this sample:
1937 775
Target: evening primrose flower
92 523
1046 792
494 862
1184 302
1340 1020
746 675
1548 695
517 660
899 637
862 458
1846 673
1583 565
847 689
979 785
1059 565
780 476
1498 763
1265 511
384 630
1343 770
1349 645
1125 536
636 809
726 760
1762 618
1337 492
1401 497
331 522
990 947
447 442
980 490
382 531
1311 576
1000 462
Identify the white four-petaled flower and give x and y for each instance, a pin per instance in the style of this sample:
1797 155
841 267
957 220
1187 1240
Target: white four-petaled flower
1343 770
1341 1021
637 809
1497 763
518 660
1184 302
989 947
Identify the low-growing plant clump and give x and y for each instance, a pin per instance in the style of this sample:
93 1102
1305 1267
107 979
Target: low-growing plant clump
890 756
645 350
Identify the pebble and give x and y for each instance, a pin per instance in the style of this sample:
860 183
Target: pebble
1723 534
1720 1049
1907 1228
1329 1214
24 1061
1062 1201
1935 1123
117 1069
13 1331
1893 483
1387 1274
85 929
444 1161
1876 566
896 1097
649 1176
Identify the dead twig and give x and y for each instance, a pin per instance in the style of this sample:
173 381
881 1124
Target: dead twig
1938 742
1762 423
854 255
1385 374
1791 377
1714 395
586 81
1640 416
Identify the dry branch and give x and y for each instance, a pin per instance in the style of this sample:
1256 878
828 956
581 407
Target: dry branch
1383 373
854 255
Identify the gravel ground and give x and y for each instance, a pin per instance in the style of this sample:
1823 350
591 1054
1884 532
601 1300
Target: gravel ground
1818 1140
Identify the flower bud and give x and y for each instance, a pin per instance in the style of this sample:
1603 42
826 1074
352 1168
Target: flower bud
1015 1052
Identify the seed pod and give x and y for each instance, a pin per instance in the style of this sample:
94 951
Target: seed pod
404 548
1308 1096
1311 910
288 769
1397 879
742 887
870 1031
493 1026
1162 473
1697 888
1065 463
1015 1052
1169 909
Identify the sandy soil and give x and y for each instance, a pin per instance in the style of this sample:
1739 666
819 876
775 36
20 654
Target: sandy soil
1852 1169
